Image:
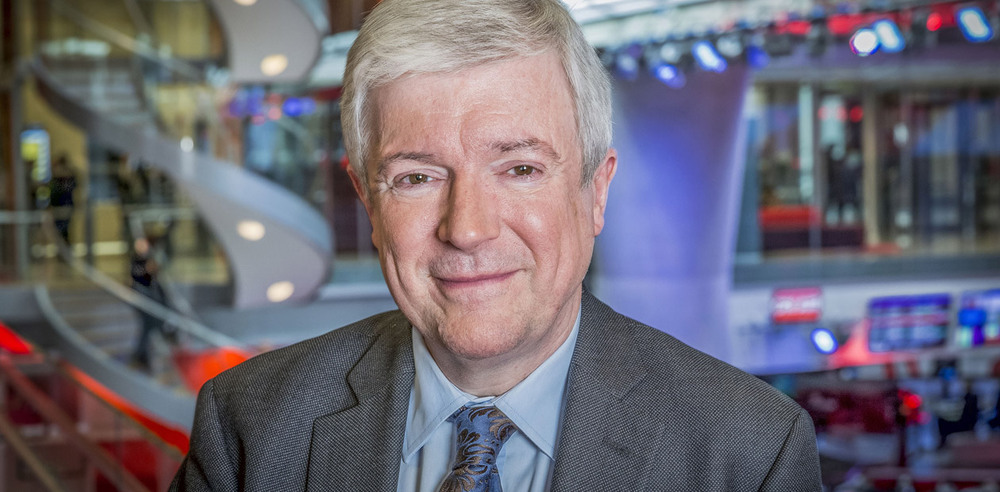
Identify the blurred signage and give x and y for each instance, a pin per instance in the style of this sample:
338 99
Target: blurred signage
908 322
800 305
978 318
35 154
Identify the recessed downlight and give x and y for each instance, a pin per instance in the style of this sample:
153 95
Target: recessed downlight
251 230
280 291
273 65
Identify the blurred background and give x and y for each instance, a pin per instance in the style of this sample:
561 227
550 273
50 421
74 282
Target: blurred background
807 189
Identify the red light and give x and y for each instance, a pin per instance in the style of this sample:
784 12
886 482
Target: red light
857 114
798 28
934 21
912 401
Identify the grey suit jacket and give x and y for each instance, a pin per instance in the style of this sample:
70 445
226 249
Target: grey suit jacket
643 412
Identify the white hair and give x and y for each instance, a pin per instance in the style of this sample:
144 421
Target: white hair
404 37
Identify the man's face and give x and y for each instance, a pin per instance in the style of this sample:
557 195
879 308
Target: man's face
483 229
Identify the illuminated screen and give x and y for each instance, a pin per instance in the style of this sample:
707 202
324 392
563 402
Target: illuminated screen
908 322
978 318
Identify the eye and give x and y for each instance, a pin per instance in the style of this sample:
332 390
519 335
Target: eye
416 178
522 170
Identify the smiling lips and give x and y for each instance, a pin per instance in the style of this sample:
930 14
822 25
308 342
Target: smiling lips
474 281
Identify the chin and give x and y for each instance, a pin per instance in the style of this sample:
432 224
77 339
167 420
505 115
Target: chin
478 341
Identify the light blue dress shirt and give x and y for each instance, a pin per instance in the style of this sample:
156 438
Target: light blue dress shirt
534 405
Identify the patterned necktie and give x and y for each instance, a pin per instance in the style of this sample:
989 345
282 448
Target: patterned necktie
482 431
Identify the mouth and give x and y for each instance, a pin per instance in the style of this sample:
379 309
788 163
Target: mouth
473 281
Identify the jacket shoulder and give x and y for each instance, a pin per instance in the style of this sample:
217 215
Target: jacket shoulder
318 365
672 367
729 430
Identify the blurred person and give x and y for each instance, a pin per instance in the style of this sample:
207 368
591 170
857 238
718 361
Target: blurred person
479 136
966 419
995 421
62 186
145 280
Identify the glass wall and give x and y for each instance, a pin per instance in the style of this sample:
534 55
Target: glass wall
848 168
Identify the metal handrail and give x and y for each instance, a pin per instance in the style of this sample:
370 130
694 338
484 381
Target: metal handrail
48 409
133 298
125 294
10 434
126 42
170 451
167 403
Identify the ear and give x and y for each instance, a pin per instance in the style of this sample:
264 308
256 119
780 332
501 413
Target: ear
364 194
602 181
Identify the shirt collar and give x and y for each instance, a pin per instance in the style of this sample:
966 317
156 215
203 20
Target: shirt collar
534 404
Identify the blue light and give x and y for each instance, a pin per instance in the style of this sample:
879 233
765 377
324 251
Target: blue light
824 341
292 107
670 75
975 27
627 66
707 58
889 36
757 57
864 42
298 106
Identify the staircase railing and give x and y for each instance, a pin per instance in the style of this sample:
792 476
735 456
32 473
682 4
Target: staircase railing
73 418
225 194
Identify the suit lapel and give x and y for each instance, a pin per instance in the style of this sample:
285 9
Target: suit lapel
602 444
359 447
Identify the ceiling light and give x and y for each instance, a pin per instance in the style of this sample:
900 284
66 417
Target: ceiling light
974 25
251 230
246 3
273 65
889 36
707 57
864 42
824 341
280 291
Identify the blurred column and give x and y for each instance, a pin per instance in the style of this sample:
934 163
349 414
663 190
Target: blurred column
870 174
666 254
809 170
14 247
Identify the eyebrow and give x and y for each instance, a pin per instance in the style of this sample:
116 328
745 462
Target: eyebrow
503 147
403 156
532 143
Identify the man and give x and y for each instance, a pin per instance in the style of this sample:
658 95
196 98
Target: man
479 138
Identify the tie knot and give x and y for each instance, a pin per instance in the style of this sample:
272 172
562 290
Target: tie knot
486 420
482 430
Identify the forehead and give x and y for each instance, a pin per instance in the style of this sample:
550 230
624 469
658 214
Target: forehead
515 98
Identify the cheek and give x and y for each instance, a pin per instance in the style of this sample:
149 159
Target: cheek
403 231
552 228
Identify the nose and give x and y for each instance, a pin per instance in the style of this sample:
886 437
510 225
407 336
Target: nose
470 218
